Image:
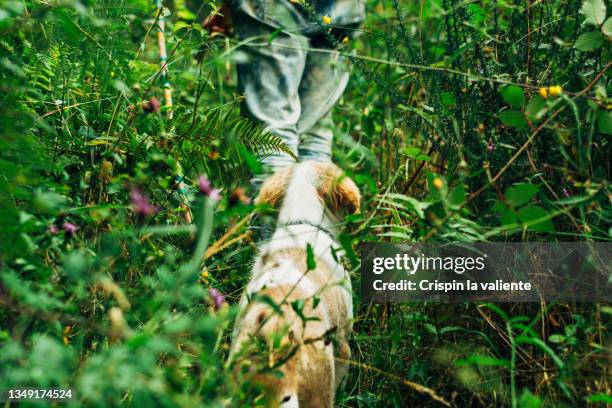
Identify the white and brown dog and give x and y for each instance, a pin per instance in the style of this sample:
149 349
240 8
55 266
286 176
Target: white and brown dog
299 295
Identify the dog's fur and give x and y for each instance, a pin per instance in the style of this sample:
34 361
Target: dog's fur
312 197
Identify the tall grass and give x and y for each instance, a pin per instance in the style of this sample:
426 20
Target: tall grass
463 121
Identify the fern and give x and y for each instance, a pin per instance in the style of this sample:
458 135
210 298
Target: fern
217 123
222 132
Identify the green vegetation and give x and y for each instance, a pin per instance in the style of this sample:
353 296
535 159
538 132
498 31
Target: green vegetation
463 121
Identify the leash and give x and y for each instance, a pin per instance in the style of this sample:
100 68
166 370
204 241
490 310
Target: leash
312 224
163 63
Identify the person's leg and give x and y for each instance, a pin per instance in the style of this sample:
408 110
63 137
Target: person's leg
325 77
270 77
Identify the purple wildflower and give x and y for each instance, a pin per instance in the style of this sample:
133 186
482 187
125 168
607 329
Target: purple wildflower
140 203
152 105
566 192
491 147
53 230
69 228
207 189
217 298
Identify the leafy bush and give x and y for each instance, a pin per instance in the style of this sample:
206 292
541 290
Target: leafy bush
463 121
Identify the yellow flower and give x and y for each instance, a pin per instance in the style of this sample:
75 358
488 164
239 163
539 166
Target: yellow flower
543 93
327 19
437 183
345 40
204 275
555 90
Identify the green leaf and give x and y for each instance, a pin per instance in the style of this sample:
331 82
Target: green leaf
532 213
298 306
311 262
601 397
274 35
556 338
204 222
315 301
456 197
437 185
75 265
528 400
514 119
419 207
411 151
477 14
415 153
520 194
49 201
498 310
607 27
514 96
594 11
536 108
589 41
508 217
179 25
270 302
448 99
498 206
483 360
604 122
543 346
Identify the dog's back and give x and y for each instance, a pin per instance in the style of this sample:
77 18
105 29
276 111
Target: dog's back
299 297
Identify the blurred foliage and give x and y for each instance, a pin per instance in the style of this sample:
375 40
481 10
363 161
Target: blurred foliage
463 121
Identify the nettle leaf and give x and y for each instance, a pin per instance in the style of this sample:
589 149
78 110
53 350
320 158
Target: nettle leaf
536 108
594 11
514 96
520 194
607 27
514 119
531 213
589 41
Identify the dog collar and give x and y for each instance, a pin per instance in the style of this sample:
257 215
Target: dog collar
312 224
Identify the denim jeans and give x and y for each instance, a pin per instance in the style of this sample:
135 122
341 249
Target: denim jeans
290 80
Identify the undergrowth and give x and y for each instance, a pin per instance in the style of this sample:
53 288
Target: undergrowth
463 121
